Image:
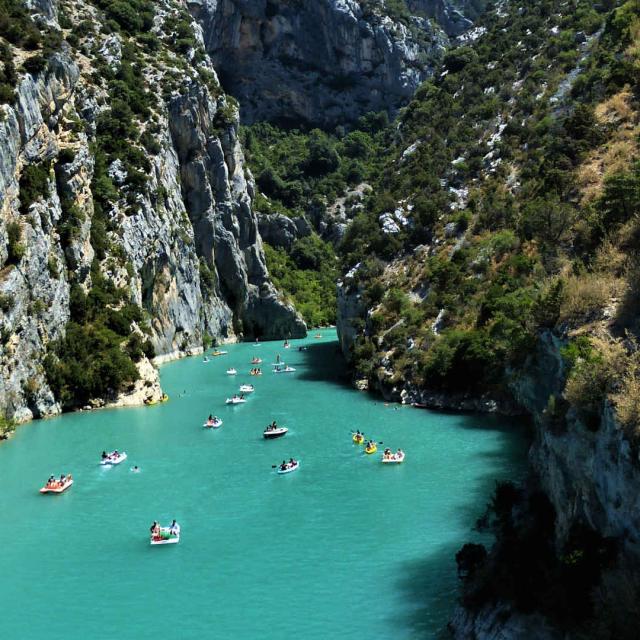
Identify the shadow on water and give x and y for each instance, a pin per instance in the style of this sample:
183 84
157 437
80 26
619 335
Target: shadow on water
324 362
425 600
420 585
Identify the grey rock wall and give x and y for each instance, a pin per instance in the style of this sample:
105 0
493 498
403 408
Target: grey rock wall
194 217
316 61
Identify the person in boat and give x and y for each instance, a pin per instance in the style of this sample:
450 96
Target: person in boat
155 528
283 466
210 418
174 528
387 452
135 468
399 453
292 462
51 481
278 357
104 455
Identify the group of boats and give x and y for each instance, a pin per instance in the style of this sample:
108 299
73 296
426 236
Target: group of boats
370 447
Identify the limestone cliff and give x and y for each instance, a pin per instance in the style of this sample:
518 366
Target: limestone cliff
176 234
322 62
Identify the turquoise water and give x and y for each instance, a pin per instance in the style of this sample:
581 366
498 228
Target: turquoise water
343 548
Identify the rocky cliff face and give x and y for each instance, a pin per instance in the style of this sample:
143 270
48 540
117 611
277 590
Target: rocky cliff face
185 247
321 61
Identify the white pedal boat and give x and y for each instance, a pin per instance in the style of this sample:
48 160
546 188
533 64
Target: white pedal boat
213 424
231 372
272 434
247 388
395 458
236 400
165 537
290 468
113 459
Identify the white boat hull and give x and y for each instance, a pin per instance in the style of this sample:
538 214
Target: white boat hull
112 461
216 424
291 469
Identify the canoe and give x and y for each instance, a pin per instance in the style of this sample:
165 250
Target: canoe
162 539
290 468
394 459
236 400
274 433
56 488
213 424
358 439
112 460
370 450
247 388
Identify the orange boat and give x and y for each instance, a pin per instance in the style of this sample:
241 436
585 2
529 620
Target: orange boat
56 486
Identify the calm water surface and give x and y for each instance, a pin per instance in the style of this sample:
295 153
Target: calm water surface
343 548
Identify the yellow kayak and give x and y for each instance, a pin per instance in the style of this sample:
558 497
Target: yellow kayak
371 449
357 438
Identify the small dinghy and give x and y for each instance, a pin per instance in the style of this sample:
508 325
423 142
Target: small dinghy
213 424
57 486
231 372
165 535
247 388
271 433
219 353
113 458
283 370
289 467
370 448
393 458
236 400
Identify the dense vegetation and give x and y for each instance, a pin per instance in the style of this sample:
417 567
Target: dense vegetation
307 277
492 224
302 171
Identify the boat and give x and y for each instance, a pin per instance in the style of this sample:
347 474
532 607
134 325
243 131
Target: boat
219 353
255 373
247 388
205 359
289 467
285 370
231 372
394 458
318 336
236 400
165 536
276 432
56 486
256 361
358 438
213 424
370 448
419 405
115 457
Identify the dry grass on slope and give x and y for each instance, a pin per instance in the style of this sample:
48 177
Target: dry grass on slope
620 115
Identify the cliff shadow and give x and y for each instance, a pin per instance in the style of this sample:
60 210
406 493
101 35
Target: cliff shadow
324 362
430 596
